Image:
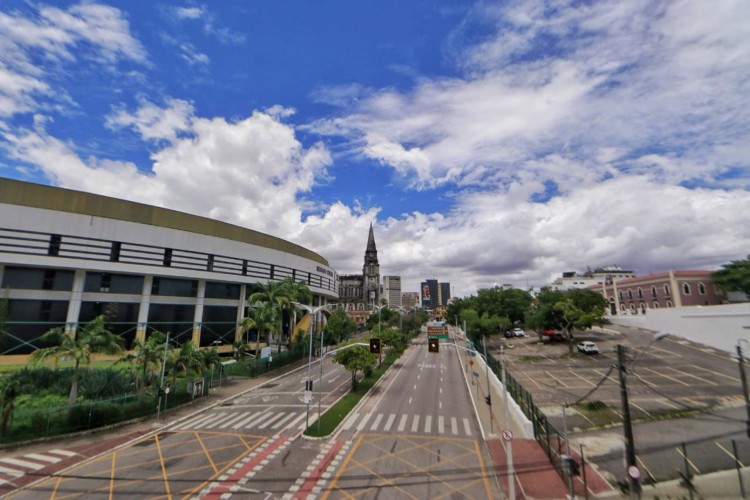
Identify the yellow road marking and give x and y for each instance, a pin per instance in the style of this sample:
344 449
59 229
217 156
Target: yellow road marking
206 452
690 462
163 466
667 376
343 466
731 455
693 376
644 467
555 378
112 477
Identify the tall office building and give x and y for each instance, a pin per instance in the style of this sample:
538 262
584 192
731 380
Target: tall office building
435 294
445 293
392 291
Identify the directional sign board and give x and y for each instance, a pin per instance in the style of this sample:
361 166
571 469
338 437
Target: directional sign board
507 434
308 397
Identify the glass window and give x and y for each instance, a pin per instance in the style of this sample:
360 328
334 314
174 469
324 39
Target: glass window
701 289
669 303
653 291
620 294
30 278
174 287
222 290
656 305
686 288
640 293
630 293
113 283
54 244
666 290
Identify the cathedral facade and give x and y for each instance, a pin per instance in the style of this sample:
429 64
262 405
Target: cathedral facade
361 292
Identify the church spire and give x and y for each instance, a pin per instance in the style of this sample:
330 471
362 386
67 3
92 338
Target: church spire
371 241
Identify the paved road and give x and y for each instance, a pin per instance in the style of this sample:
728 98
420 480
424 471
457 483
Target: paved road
416 437
209 453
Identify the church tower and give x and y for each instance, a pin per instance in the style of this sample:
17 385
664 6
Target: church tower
371 272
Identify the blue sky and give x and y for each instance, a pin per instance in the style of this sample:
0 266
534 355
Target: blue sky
488 142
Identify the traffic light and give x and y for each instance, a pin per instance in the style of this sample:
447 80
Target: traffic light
433 345
375 346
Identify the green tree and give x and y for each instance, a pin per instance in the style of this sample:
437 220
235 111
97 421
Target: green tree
734 276
276 294
80 346
10 390
355 359
339 326
186 361
296 291
262 317
146 359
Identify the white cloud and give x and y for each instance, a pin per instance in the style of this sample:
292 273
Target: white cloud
32 47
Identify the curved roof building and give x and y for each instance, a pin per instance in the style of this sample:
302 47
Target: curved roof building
68 256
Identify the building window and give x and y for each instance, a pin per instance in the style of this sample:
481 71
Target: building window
114 252
669 303
666 290
656 305
701 289
630 294
210 263
640 293
54 245
643 308
686 288
620 294
167 257
653 291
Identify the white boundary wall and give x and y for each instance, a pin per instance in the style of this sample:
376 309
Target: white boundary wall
720 327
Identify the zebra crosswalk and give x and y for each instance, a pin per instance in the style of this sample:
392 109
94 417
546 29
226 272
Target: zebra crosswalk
260 419
275 419
14 467
407 423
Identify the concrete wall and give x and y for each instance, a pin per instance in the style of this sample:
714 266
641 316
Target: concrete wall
720 327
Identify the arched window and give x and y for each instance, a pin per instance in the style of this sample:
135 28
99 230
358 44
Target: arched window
632 308
653 291
656 305
622 307
643 308
701 289
630 294
686 288
666 290
669 303
620 294
640 293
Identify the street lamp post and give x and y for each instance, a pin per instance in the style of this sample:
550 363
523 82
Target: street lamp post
308 383
743 377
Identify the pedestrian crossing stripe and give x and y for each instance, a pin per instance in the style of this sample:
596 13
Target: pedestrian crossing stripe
372 422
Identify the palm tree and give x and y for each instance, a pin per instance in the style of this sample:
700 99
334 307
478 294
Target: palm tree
263 318
81 346
147 358
297 291
276 295
186 360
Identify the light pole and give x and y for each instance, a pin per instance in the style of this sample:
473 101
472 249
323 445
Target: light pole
743 377
313 311
633 472
161 380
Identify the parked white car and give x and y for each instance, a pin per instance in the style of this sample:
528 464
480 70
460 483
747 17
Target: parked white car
517 332
587 347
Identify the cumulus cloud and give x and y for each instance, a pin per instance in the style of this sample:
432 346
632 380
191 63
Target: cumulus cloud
624 144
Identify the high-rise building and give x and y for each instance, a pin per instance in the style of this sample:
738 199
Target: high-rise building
445 293
392 291
429 294
434 294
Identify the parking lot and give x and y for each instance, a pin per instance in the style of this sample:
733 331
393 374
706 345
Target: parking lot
679 392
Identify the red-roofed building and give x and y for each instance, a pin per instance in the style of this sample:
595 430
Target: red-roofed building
671 289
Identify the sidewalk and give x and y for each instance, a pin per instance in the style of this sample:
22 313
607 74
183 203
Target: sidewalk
533 473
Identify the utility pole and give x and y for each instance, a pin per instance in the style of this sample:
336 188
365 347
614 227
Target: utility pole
632 467
743 377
